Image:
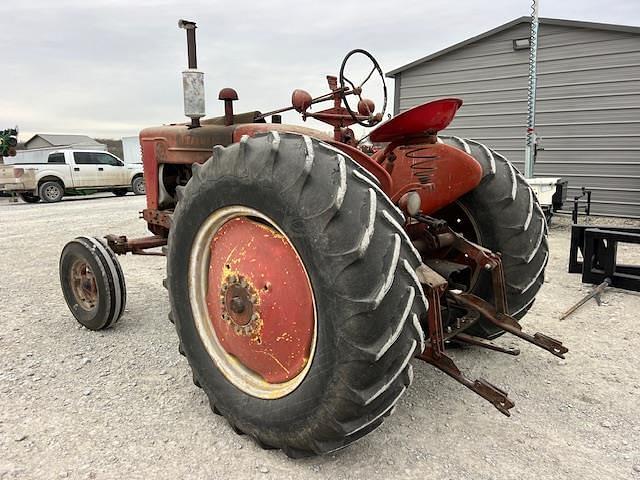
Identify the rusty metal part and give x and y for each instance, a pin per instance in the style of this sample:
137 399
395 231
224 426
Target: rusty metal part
337 116
481 342
508 323
436 286
439 236
240 304
348 137
190 27
83 285
457 274
494 395
497 313
595 294
460 324
158 217
228 95
434 353
121 245
252 302
301 100
366 107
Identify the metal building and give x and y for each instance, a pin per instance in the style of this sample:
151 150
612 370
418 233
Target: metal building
588 105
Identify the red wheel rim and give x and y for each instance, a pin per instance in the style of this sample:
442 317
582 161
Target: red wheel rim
83 285
256 312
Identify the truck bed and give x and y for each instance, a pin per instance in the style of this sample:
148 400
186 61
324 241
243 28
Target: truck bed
17 179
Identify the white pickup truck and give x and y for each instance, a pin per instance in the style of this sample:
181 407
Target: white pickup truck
72 172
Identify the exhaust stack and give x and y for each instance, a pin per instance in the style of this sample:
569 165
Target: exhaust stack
192 78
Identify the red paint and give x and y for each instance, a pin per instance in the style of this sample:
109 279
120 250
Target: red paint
279 347
150 168
368 163
429 117
438 172
253 128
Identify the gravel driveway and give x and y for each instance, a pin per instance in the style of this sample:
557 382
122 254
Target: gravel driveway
121 404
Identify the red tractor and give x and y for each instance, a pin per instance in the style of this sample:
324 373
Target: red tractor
304 275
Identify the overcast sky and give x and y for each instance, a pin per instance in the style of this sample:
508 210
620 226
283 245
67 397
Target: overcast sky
108 68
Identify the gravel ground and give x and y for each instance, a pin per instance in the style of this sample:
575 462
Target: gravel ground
121 404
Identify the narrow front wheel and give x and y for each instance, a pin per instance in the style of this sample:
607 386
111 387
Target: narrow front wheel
92 283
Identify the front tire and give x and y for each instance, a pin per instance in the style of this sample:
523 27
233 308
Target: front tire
504 215
360 267
92 283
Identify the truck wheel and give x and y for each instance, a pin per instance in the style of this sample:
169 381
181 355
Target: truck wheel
120 192
503 215
92 283
29 197
51 192
293 291
138 187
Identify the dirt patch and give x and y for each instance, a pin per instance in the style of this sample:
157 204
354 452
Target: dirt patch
121 404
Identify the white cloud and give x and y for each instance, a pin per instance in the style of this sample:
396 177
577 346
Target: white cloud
110 68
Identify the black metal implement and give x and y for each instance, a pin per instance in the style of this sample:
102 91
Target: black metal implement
598 246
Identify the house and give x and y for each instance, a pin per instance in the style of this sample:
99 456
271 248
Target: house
587 110
48 140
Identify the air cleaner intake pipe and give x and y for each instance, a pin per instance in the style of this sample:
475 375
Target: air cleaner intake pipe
192 78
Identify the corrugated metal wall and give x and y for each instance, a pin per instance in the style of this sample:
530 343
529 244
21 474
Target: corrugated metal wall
588 110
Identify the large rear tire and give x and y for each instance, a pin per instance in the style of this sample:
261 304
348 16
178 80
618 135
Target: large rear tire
360 267
506 218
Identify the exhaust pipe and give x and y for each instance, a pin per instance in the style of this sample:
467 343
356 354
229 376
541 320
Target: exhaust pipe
192 78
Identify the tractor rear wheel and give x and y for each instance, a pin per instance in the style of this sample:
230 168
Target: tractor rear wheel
503 215
293 292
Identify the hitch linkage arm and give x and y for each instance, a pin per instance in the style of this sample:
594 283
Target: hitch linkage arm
507 323
436 288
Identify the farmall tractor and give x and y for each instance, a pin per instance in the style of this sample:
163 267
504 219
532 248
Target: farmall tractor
304 275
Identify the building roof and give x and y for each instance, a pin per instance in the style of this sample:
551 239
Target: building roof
512 23
58 140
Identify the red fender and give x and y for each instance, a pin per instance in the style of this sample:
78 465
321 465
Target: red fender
438 172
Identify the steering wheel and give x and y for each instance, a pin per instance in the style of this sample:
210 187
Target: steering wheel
370 122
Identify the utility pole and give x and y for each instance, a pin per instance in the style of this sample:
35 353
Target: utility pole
531 138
